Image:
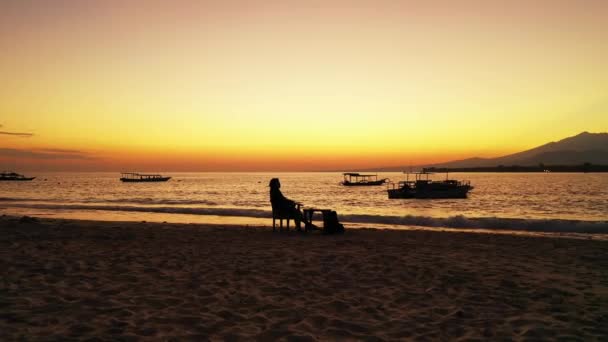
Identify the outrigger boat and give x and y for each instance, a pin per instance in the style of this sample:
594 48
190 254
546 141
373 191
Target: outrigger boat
131 177
12 176
357 179
423 187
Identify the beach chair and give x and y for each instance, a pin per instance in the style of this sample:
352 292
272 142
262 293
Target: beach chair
282 212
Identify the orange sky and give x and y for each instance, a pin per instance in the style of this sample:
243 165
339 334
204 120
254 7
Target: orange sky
294 85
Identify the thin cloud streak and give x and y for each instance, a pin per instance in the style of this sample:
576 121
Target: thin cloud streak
36 154
16 134
22 135
59 150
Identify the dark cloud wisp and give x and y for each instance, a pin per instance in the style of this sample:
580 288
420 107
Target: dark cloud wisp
46 154
16 134
22 135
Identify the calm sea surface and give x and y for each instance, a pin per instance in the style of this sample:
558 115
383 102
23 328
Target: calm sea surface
539 201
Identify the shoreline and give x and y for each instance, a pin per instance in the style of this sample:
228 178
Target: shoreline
561 228
70 279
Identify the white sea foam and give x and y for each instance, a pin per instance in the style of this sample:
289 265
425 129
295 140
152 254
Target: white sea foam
459 221
134 200
498 223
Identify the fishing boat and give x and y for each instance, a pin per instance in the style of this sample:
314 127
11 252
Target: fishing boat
12 176
132 177
423 187
357 179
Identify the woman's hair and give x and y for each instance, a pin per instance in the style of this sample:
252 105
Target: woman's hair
274 183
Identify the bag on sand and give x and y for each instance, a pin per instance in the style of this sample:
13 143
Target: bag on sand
331 224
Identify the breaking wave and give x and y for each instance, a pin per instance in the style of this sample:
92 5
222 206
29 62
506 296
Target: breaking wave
258 213
137 200
461 222
497 223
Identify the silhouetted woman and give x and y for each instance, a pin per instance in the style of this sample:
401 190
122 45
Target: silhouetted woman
283 204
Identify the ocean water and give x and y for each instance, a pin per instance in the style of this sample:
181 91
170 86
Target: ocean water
557 202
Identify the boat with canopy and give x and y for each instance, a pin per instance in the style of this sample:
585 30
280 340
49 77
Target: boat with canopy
133 177
357 179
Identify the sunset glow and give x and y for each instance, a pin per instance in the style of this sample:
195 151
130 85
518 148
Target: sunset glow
293 85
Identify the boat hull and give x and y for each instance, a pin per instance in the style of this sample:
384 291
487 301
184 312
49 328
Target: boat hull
150 180
372 183
17 179
460 192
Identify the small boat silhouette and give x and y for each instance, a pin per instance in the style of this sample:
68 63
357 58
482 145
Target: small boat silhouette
12 176
423 187
132 177
357 179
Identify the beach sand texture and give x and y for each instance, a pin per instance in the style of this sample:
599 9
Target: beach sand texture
67 280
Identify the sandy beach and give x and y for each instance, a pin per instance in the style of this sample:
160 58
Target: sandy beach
68 279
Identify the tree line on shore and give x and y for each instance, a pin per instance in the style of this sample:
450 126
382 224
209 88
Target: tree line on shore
585 167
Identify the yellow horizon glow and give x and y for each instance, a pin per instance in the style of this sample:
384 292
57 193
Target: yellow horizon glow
190 85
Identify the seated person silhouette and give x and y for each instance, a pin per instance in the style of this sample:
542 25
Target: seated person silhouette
282 207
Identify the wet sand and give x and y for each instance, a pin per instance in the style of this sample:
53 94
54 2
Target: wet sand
68 279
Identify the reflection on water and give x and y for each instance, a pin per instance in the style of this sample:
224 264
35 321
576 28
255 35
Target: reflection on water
530 196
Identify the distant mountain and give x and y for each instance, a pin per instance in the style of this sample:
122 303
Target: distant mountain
582 148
